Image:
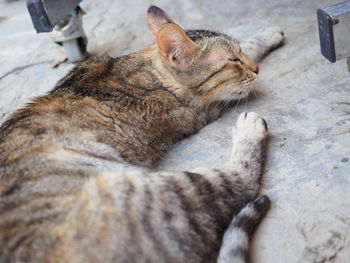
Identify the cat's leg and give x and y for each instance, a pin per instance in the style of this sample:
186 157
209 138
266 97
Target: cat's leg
260 45
249 138
242 176
235 243
248 152
245 167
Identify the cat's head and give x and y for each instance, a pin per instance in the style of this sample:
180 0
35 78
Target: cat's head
211 65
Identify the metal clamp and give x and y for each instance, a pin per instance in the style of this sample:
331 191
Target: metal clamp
57 16
334 31
70 34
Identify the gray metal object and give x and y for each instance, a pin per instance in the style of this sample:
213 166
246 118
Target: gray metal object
334 31
70 34
46 14
64 18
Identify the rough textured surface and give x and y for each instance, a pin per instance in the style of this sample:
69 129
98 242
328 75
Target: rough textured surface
304 98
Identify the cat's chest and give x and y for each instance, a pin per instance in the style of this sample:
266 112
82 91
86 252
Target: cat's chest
142 139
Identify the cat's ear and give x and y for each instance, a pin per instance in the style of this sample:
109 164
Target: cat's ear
175 47
156 18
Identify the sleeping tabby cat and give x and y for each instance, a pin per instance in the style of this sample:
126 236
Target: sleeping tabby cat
74 179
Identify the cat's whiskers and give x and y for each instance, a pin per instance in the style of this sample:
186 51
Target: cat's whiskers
235 110
245 104
254 92
225 104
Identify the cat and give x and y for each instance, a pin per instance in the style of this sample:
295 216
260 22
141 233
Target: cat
75 178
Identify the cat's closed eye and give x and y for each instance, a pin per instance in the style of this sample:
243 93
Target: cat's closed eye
234 59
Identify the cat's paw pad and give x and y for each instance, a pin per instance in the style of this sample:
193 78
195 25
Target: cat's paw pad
273 36
250 126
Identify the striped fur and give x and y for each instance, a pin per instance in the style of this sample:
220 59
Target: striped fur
235 243
129 214
74 179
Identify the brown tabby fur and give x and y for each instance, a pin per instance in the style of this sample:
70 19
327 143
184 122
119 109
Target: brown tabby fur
68 191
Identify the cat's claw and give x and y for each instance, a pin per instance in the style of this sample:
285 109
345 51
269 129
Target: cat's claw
250 126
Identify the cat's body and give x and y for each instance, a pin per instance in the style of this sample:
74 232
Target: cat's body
68 191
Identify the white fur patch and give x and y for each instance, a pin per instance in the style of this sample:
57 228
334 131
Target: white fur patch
248 211
235 239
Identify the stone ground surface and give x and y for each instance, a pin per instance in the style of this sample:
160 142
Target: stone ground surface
304 98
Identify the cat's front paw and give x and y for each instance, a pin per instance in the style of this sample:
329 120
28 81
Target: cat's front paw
272 36
250 126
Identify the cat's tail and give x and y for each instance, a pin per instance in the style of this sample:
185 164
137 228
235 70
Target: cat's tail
235 244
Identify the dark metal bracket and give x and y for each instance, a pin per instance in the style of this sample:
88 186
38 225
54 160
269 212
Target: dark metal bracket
334 31
63 17
46 14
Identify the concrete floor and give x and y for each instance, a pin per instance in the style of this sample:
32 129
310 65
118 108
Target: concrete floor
305 99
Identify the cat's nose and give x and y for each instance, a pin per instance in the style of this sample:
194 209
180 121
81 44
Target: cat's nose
256 69
251 65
